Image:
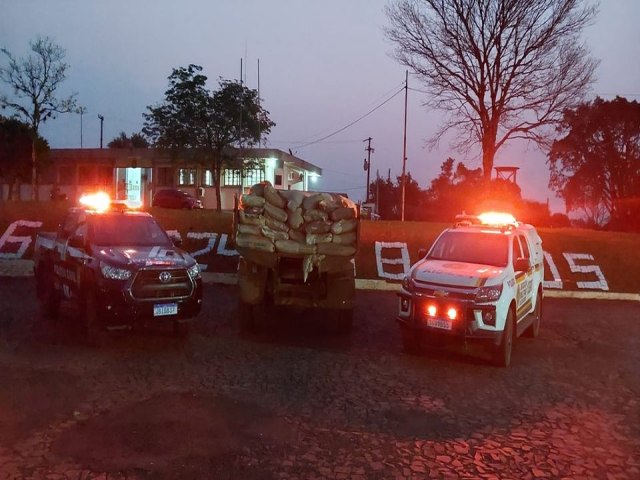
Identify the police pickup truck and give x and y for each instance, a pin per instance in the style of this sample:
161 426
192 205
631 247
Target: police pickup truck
481 281
119 267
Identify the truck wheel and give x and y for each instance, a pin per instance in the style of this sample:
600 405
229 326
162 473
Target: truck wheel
409 342
49 297
502 355
96 334
534 328
180 329
246 320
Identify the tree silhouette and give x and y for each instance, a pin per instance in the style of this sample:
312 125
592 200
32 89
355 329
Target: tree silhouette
501 69
34 81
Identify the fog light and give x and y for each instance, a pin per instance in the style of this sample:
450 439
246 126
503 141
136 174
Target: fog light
452 313
432 310
404 305
489 318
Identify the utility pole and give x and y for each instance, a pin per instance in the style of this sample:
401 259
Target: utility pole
101 124
377 192
367 164
404 150
81 110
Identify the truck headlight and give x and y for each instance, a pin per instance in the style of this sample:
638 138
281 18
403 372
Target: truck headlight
489 294
194 271
114 273
406 284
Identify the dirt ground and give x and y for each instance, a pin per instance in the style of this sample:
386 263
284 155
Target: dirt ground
293 401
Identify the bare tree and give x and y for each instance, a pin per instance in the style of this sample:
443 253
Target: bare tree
501 69
34 80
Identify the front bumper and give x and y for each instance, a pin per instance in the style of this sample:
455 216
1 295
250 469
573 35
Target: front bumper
118 308
467 328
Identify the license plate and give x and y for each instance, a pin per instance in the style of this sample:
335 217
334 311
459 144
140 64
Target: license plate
163 309
440 323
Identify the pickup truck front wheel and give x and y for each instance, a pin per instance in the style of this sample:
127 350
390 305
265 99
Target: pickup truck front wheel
48 296
502 355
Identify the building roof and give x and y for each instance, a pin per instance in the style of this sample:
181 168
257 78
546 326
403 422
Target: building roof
147 157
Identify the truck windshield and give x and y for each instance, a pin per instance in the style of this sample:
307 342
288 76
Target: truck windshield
122 230
472 247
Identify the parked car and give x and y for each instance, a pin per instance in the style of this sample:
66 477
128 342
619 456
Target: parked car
174 198
481 281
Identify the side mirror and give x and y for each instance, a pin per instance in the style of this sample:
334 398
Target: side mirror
422 252
522 265
76 241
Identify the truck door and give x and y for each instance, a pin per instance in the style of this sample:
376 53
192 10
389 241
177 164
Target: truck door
524 280
72 260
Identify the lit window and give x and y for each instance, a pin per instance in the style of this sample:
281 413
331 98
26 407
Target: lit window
187 176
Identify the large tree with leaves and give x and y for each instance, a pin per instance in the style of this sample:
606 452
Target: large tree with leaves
136 140
595 166
501 69
34 81
15 152
200 125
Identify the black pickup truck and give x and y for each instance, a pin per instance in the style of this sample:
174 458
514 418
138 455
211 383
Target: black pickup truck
121 270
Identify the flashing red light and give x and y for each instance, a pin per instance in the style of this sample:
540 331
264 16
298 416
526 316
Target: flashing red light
432 310
452 313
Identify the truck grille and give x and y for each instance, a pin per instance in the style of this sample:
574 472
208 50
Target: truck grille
148 284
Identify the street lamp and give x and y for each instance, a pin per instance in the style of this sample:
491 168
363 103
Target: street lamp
81 110
101 124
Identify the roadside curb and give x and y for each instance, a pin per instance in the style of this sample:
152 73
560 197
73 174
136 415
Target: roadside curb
24 268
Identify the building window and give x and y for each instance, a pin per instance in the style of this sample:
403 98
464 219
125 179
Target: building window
255 175
164 177
207 178
187 176
232 177
278 180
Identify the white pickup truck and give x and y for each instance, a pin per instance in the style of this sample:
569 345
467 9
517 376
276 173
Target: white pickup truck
481 281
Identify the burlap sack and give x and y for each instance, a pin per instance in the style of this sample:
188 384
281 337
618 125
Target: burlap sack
289 246
251 201
314 215
294 198
298 236
316 238
343 213
248 229
336 249
274 234
271 196
317 227
255 243
257 189
345 238
251 219
295 218
344 226
311 201
275 212
274 224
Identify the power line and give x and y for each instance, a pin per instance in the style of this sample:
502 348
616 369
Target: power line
350 124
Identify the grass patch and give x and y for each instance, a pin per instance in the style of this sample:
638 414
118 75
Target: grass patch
617 254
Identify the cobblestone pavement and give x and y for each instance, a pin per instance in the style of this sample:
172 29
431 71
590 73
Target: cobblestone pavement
295 402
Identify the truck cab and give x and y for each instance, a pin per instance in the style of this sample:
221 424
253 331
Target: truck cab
119 267
481 281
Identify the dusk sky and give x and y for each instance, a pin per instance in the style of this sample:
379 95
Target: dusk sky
323 64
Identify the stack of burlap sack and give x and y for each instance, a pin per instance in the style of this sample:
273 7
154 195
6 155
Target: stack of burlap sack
294 222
